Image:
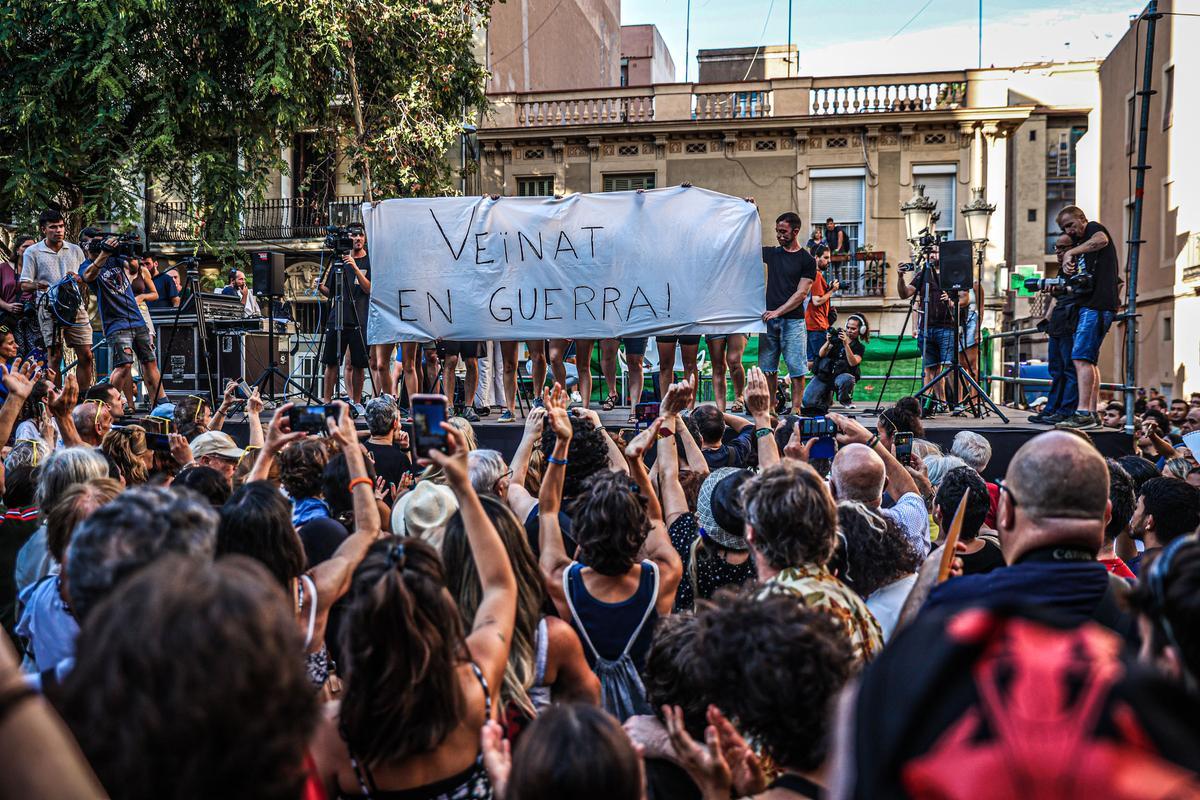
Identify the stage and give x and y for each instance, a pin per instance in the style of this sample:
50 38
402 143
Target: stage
1005 438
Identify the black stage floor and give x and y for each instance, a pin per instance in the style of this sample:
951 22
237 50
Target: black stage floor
1005 438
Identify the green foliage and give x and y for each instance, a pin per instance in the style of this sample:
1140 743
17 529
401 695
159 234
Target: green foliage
203 94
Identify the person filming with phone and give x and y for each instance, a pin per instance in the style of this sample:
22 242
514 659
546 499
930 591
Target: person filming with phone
836 366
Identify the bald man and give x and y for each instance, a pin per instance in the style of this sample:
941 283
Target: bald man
861 470
1053 509
92 420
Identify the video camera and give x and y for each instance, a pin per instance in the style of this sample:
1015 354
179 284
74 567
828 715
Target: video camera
338 240
128 245
1081 283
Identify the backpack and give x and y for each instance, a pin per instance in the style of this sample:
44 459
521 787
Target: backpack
65 300
622 692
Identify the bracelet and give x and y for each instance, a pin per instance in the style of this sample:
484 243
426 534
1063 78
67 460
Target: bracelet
562 462
361 479
761 432
874 440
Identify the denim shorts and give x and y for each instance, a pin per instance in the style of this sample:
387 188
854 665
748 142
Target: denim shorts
786 337
1089 334
937 350
126 344
816 340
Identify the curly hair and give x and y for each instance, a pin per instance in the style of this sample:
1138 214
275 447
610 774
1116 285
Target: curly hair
300 467
609 523
674 672
788 711
186 732
549 763
953 486
792 514
462 578
586 456
877 552
125 448
904 416
257 522
402 640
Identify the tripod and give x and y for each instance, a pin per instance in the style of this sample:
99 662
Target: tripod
338 323
193 285
272 369
960 376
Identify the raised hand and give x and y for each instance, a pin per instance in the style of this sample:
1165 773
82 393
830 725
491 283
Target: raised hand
850 431
534 422
758 394
555 401
705 764
454 461
279 432
679 396
748 776
181 451
497 756
62 401
341 430
641 443
797 448
254 403
19 380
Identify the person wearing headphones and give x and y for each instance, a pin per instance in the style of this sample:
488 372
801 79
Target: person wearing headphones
836 366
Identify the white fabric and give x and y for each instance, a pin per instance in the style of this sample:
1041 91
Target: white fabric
886 603
910 514
613 264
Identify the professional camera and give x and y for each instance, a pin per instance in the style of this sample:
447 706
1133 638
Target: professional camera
187 266
1079 284
338 240
128 245
835 334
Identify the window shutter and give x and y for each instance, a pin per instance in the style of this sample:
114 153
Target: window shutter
941 188
840 198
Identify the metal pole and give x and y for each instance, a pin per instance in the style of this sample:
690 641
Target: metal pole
981 34
789 42
1135 230
687 41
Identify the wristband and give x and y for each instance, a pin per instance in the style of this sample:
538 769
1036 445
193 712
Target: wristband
562 462
360 479
874 440
761 432
663 433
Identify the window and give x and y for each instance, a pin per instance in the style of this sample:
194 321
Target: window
839 193
941 185
1168 96
1031 215
1166 329
1130 124
1059 195
1033 135
624 71
541 186
629 181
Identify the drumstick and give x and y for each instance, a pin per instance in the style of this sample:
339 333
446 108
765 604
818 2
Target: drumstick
952 539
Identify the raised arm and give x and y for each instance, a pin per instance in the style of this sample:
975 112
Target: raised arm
899 482
696 461
552 557
254 407
19 382
518 498
616 461
674 501
61 402
758 403
279 436
218 418
658 547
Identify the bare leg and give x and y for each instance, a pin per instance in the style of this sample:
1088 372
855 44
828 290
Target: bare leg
797 394
471 382
153 381
331 376
716 356
608 364
1089 385
772 385
122 378
583 365
537 359
410 355
85 370
356 383
666 366
637 379
449 365
347 374
381 368
558 350
689 352
55 363
735 348
509 351
432 369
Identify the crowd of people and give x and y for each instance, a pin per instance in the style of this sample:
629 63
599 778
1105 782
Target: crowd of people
716 608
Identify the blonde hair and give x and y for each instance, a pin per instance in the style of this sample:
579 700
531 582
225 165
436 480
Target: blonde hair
125 447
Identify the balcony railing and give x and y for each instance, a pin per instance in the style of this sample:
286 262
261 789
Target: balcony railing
862 274
265 220
907 93
831 97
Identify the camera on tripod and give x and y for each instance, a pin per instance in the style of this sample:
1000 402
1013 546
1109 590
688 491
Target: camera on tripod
338 240
1081 283
127 245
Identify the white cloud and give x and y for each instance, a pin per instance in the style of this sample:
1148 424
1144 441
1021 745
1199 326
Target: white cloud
1071 34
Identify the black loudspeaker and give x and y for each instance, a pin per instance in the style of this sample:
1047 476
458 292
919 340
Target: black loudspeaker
956 265
269 276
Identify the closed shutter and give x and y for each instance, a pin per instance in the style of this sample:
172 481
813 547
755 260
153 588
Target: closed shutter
840 198
941 188
629 182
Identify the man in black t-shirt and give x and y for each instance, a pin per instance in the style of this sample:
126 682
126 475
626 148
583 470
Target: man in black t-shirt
836 367
935 328
1095 254
1063 398
388 444
347 325
790 272
835 237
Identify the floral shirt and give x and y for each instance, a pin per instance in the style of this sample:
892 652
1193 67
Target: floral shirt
817 587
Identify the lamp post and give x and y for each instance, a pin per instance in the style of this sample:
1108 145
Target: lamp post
918 214
977 215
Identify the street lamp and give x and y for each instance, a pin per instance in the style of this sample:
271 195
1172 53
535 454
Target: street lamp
918 213
978 215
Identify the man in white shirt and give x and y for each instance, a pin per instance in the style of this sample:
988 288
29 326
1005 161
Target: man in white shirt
46 263
239 288
861 470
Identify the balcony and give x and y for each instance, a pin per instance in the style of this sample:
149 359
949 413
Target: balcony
861 274
910 93
265 220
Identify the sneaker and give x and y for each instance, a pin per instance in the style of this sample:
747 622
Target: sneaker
506 416
468 413
483 411
1042 419
537 403
1078 421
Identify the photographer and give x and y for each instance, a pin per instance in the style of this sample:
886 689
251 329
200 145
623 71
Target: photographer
1094 255
44 264
935 339
124 327
836 367
1063 398
351 301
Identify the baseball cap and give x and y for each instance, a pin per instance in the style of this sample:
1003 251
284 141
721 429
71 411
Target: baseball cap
216 443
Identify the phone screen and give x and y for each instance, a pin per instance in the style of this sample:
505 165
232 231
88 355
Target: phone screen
903 442
646 413
822 429
428 413
310 419
245 389
159 442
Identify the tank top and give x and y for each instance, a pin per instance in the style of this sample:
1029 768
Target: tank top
470 784
609 627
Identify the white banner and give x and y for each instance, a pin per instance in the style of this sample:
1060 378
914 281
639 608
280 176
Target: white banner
588 266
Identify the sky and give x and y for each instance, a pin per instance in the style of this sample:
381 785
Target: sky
854 37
